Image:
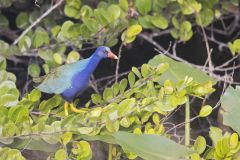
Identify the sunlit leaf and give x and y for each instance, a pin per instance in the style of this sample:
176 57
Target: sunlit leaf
178 70
144 6
34 70
230 104
22 20
152 146
205 111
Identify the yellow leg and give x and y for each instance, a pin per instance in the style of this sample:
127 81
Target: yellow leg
74 109
66 108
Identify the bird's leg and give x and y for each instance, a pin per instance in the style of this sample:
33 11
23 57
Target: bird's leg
74 109
66 108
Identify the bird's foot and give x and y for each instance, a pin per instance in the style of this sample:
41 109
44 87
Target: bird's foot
66 108
74 109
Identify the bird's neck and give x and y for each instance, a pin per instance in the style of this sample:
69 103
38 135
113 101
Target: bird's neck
93 62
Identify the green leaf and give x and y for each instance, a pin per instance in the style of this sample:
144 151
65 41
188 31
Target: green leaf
49 104
102 16
125 122
145 70
96 112
174 33
230 104
152 147
55 30
190 7
233 142
33 16
137 72
34 70
9 129
200 144
178 70
131 79
133 30
107 94
185 32
22 20
73 56
205 111
126 106
3 63
195 156
74 3
159 21
115 88
3 22
86 11
10 154
215 134
112 126
53 137
40 37
24 43
85 32
144 6
97 99
18 114
145 22
114 11
123 85
65 29
72 12
74 31
6 3
205 17
82 150
34 95
46 55
235 46
156 119
4 48
60 155
123 4
8 100
91 24
57 58
175 22
33 144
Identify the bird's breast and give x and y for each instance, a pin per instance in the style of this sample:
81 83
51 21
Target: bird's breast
78 84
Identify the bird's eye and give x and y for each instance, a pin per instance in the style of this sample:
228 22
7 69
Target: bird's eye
105 52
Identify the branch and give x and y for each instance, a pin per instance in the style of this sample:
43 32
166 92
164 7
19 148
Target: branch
38 20
118 62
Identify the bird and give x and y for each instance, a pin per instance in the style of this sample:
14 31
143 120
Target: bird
71 80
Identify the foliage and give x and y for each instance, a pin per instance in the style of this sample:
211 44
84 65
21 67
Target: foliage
150 146
130 115
119 107
230 106
226 146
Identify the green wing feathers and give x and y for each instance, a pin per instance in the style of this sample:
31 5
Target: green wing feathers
60 79
56 81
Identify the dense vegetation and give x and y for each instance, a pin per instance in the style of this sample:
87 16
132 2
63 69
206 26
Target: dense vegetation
125 115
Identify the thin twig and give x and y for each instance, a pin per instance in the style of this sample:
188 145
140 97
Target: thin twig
208 50
118 62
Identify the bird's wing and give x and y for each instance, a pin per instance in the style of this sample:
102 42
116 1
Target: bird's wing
60 79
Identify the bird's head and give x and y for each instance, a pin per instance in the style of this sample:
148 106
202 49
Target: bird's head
105 52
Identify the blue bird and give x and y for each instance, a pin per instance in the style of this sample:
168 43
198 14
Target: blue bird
71 80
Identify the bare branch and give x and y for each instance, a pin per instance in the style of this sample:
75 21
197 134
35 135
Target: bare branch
118 62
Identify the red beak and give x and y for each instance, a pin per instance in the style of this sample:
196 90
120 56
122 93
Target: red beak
111 55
